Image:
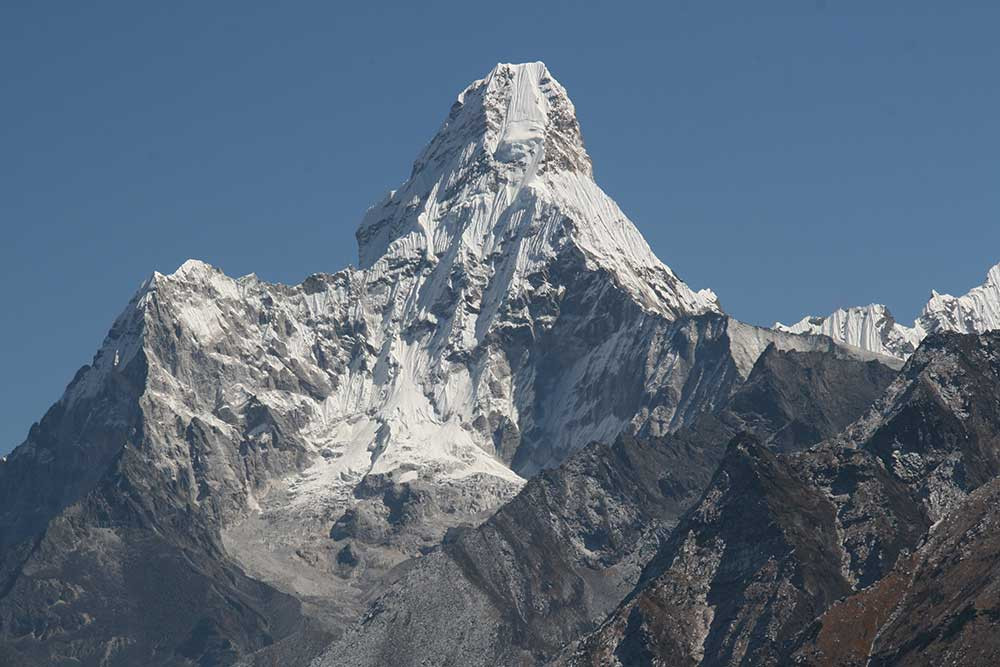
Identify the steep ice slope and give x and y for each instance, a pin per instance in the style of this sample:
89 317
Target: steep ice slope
974 312
499 240
873 327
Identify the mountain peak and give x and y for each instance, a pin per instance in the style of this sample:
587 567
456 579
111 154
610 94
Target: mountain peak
870 327
993 276
506 186
517 119
528 115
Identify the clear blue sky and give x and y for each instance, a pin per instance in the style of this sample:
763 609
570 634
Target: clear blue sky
793 156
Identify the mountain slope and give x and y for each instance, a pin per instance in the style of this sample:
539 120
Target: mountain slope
938 606
551 563
109 553
776 540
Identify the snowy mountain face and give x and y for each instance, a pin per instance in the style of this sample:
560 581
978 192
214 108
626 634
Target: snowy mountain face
505 314
499 230
873 327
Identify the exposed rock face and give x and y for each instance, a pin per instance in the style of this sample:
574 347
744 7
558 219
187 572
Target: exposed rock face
726 595
794 399
873 327
938 606
776 540
948 612
550 564
110 547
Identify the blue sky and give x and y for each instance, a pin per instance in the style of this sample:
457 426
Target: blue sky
793 156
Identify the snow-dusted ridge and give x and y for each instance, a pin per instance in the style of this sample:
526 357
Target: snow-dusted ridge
869 327
873 327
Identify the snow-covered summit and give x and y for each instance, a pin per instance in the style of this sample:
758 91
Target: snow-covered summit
505 186
516 113
976 311
873 327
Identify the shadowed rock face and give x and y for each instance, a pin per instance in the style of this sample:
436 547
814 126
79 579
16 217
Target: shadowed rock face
939 605
776 540
123 576
722 595
109 549
799 398
948 612
551 563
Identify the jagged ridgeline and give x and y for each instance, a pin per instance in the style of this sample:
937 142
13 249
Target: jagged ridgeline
470 449
874 328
